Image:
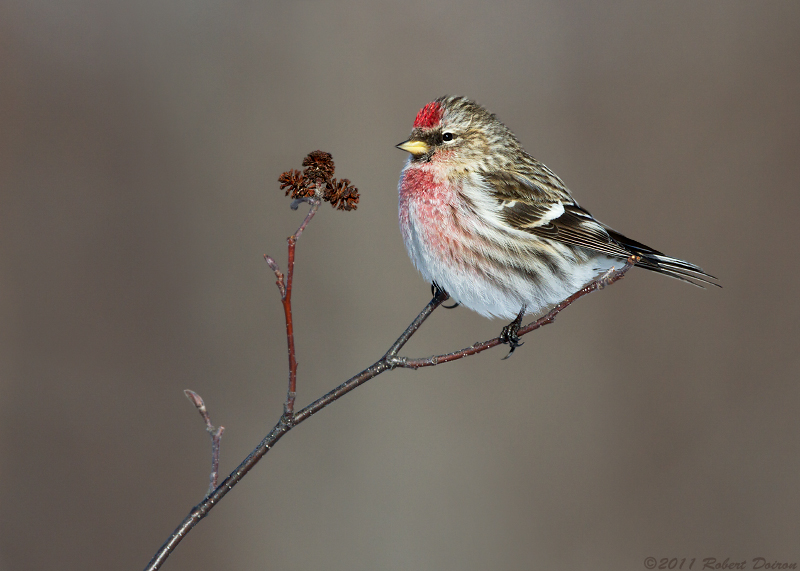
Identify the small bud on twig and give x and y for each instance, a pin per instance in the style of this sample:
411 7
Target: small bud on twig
273 265
197 401
214 432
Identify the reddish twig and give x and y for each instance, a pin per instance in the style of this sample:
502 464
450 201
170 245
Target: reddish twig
215 433
285 287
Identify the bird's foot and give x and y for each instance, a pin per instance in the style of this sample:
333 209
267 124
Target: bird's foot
509 333
436 291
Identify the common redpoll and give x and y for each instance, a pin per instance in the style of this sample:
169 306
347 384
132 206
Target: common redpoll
496 229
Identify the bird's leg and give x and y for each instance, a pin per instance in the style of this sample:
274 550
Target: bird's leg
606 279
509 333
435 288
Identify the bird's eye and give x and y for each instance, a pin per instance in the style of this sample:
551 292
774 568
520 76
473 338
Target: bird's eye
448 137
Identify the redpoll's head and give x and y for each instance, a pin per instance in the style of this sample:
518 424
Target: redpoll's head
459 132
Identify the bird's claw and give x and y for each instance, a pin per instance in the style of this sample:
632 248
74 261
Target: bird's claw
436 290
509 334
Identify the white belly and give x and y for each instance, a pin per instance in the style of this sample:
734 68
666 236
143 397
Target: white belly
493 280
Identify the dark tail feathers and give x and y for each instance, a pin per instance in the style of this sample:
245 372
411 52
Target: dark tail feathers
655 261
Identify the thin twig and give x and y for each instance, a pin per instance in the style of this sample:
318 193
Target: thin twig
314 207
288 407
284 284
439 297
286 298
278 275
215 433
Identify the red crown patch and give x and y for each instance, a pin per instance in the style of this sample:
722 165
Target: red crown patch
429 116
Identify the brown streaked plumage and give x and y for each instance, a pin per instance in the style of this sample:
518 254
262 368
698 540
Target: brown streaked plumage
497 229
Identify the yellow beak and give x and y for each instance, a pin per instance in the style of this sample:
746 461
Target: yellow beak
414 147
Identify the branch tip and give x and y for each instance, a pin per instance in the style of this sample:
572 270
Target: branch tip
196 400
273 265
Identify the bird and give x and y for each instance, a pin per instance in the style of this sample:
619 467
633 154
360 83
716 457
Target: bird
498 231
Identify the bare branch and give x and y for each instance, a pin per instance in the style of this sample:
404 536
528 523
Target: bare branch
314 207
215 433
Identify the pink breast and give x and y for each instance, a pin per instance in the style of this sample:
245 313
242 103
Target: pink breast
427 203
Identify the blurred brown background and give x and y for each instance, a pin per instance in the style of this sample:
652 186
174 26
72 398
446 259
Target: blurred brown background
140 143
